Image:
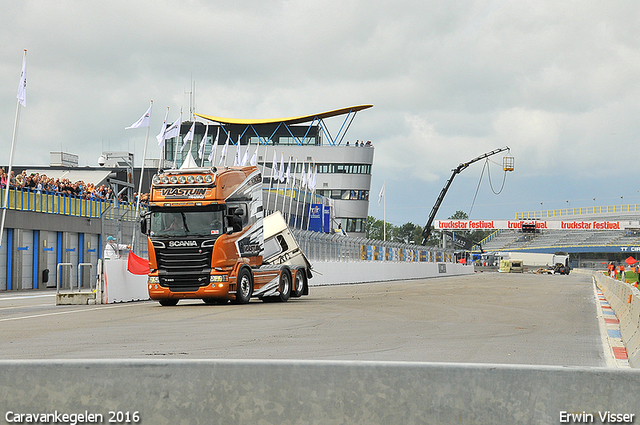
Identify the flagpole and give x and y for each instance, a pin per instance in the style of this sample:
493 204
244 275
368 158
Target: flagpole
5 201
175 158
293 184
302 184
6 192
273 167
164 130
313 191
384 215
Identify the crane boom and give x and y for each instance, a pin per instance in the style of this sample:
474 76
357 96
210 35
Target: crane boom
427 228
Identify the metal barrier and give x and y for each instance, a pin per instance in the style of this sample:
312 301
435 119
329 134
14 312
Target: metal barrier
80 266
337 247
59 275
56 203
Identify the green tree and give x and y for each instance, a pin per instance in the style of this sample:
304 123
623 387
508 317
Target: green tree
374 229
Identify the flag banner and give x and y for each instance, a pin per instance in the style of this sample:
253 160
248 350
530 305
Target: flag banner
144 120
254 158
137 265
160 135
287 173
245 157
203 142
22 87
236 159
312 180
381 194
214 145
223 154
189 136
173 130
274 166
303 178
281 172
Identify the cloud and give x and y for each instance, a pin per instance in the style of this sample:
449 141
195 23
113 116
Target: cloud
555 81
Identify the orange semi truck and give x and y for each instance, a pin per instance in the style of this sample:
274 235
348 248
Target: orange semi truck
208 240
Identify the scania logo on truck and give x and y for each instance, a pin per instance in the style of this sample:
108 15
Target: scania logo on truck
182 192
182 243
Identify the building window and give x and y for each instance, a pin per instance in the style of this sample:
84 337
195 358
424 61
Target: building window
344 168
354 225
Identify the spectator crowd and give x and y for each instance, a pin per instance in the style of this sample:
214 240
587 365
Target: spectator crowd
40 183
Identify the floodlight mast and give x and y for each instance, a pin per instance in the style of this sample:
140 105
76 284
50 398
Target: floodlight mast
427 228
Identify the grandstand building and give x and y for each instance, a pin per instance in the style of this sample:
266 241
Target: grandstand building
343 170
580 243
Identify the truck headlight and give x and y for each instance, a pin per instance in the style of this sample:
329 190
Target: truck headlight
154 279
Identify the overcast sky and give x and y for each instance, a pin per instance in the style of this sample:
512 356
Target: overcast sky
556 81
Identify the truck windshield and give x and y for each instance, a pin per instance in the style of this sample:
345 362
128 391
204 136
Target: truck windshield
168 222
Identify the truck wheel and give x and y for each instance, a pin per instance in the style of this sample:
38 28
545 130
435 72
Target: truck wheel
168 302
285 286
301 283
244 287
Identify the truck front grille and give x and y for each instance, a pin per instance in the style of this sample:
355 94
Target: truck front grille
184 269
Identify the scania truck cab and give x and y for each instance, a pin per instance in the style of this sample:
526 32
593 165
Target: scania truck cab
206 240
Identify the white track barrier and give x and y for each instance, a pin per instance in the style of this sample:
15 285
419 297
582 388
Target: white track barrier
304 392
119 285
625 302
337 272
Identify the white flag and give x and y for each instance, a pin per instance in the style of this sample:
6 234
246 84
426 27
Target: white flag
245 157
381 194
223 155
174 129
281 173
254 158
236 159
22 87
160 135
287 174
203 142
312 180
144 120
214 145
274 166
189 136
303 177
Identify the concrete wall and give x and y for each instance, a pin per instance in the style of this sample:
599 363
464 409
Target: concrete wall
625 302
301 392
336 272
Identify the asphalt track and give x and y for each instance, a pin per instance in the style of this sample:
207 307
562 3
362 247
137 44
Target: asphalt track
482 318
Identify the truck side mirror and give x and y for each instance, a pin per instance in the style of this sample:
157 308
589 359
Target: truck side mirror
143 226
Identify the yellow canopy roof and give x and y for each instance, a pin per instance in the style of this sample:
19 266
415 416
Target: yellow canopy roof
290 120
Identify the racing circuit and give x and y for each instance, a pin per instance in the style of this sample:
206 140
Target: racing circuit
532 346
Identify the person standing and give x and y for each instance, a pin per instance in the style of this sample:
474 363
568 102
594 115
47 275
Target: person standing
112 249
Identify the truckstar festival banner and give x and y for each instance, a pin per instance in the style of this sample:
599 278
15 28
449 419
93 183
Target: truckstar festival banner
534 224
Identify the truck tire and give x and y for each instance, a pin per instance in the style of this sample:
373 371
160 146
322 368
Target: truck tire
301 283
244 286
169 302
285 286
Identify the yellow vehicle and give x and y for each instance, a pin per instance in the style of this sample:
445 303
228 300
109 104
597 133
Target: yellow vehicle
510 266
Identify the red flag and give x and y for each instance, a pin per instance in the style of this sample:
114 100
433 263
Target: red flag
137 265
